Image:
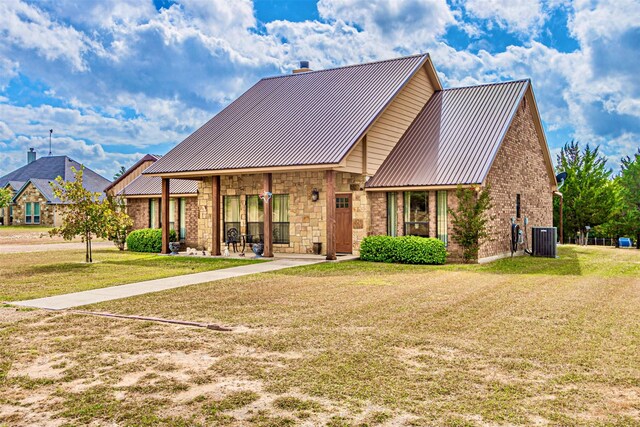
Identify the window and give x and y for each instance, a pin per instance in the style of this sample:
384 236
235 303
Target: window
441 216
153 213
517 205
255 219
280 209
392 214
172 214
231 214
416 213
32 213
182 213
342 202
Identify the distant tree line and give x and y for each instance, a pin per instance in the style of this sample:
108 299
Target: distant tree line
594 197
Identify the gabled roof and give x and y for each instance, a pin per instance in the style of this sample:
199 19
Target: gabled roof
13 184
454 139
43 186
146 158
145 185
49 168
310 118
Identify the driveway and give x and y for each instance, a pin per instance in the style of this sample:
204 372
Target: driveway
11 249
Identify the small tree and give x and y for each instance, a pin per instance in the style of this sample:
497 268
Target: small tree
469 220
83 212
5 200
118 223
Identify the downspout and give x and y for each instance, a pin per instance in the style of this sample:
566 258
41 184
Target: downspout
559 194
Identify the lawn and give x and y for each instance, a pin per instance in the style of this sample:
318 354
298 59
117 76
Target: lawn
30 235
40 274
524 341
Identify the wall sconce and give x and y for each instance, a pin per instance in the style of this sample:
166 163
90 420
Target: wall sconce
315 195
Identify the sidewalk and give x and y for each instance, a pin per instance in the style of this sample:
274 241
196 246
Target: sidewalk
77 299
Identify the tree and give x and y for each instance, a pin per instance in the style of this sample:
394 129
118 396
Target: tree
630 194
120 172
469 220
588 192
118 223
5 197
84 214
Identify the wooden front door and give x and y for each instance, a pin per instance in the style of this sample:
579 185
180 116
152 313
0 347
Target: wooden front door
343 223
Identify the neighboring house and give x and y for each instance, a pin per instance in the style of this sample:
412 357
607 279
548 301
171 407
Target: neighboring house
33 200
142 194
375 148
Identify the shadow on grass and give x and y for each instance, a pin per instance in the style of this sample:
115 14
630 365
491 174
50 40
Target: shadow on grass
568 264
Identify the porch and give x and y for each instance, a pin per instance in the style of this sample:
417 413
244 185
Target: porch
290 212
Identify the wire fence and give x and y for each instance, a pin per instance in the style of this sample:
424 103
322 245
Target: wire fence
592 241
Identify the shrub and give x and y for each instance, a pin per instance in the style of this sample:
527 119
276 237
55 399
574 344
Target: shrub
406 250
148 240
469 220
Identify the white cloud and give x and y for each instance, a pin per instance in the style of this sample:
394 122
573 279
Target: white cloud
521 16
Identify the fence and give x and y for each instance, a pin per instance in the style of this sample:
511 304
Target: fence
592 241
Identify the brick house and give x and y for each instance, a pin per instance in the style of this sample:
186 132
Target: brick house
33 200
321 159
142 194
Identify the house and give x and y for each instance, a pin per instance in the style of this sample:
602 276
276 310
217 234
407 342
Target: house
142 194
317 160
33 200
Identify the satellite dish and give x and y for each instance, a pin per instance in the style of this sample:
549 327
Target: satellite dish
560 179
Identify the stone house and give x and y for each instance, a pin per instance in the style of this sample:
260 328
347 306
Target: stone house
317 160
33 200
142 195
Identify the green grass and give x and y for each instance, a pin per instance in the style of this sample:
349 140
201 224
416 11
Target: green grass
522 341
40 274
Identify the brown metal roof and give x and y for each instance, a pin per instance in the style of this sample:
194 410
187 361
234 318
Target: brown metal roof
152 186
310 118
454 139
147 157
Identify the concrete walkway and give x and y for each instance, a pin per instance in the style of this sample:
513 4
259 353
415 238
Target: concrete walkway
77 299
47 247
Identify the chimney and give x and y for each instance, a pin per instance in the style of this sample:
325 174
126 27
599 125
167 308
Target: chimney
31 156
304 67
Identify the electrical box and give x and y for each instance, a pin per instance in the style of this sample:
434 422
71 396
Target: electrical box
544 241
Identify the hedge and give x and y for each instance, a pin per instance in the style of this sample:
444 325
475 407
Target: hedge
405 249
148 240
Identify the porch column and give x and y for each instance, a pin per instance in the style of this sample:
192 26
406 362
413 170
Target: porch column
268 216
330 178
561 230
215 215
165 216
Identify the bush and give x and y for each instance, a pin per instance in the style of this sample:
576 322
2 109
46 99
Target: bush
406 250
148 240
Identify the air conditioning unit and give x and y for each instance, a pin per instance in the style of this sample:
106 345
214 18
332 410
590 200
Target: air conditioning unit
544 241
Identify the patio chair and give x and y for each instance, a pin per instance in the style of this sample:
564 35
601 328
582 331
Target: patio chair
232 238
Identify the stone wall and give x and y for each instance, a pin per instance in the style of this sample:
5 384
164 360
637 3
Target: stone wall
519 168
307 219
48 214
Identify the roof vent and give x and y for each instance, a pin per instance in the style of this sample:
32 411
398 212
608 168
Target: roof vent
31 156
304 67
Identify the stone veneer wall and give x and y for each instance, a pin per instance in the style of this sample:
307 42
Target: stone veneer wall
519 168
48 215
307 219
138 210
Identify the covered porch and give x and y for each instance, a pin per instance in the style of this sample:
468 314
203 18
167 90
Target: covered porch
290 212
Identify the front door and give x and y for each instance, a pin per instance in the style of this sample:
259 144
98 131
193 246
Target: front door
343 223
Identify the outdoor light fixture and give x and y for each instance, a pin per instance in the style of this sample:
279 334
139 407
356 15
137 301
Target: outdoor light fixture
315 195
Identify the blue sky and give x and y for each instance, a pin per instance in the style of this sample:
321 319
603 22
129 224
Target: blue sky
116 79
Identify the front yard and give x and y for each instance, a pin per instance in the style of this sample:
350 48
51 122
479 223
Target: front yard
41 274
523 341
28 235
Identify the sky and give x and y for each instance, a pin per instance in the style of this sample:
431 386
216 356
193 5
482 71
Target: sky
116 79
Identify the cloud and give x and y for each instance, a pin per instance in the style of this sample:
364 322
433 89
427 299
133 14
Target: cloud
519 16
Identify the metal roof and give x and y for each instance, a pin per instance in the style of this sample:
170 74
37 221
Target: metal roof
146 158
454 139
309 118
152 186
